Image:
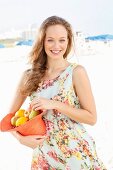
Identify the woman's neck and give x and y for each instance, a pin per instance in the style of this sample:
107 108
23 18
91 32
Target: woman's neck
55 65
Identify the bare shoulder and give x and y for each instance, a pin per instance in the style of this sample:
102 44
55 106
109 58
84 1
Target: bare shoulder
80 76
79 70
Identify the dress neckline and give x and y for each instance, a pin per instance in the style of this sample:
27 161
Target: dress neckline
44 81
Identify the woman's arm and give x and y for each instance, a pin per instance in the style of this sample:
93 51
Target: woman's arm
30 141
87 113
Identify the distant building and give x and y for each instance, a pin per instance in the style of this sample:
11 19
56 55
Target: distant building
80 44
29 34
80 38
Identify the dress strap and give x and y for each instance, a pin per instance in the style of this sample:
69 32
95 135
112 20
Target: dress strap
74 65
66 77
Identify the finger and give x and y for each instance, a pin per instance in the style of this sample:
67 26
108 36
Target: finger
36 104
34 101
40 141
40 137
38 108
43 112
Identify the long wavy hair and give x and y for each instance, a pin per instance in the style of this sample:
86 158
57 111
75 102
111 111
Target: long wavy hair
38 57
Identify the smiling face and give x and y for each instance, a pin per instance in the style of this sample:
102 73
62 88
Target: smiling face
56 41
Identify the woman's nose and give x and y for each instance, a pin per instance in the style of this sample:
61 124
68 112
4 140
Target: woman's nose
56 44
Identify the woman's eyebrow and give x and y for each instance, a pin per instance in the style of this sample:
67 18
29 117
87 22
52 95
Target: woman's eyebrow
53 37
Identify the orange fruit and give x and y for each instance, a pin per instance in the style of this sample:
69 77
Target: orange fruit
20 113
13 120
21 121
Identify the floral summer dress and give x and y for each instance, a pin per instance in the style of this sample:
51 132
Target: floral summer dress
68 146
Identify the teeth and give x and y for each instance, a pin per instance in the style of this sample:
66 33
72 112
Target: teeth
55 51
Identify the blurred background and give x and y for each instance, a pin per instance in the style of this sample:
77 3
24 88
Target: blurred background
93 29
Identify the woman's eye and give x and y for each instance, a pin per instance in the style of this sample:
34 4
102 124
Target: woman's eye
62 40
50 40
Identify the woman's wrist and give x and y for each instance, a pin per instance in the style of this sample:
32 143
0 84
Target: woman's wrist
56 105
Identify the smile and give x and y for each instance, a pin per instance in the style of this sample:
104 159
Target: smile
55 51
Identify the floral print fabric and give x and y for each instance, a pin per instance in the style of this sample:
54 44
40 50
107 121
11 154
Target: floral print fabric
68 146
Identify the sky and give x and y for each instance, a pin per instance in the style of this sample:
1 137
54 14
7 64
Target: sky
92 17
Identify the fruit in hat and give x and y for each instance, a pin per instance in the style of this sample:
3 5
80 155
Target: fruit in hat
20 113
21 121
33 113
13 120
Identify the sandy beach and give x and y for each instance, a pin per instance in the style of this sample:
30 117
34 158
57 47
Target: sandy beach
98 64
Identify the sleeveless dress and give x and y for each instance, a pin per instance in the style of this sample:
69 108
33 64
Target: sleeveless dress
68 146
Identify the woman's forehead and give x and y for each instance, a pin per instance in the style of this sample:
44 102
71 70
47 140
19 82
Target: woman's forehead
58 30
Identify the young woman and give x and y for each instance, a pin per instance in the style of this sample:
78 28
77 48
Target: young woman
62 90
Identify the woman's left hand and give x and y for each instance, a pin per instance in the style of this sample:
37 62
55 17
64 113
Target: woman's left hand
40 103
31 141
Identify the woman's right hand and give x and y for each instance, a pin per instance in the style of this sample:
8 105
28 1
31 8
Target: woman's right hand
31 141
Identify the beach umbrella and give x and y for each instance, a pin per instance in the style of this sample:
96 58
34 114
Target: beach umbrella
2 46
105 37
25 42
